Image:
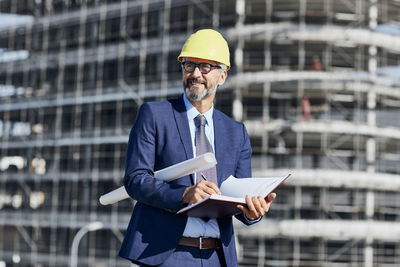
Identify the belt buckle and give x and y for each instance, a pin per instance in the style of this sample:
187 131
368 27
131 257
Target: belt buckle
200 242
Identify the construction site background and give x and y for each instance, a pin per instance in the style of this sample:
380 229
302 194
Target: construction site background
316 83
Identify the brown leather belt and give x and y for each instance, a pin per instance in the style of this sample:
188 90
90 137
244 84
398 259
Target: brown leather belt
201 242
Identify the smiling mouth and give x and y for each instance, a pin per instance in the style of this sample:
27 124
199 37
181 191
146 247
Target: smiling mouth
193 82
196 84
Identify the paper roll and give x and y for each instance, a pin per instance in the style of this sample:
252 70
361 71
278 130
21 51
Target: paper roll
114 196
200 163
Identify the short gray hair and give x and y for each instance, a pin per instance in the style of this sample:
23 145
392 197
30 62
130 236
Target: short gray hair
223 66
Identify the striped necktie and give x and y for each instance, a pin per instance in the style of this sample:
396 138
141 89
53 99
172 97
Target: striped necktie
204 146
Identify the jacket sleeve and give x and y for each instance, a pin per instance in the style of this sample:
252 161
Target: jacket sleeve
139 178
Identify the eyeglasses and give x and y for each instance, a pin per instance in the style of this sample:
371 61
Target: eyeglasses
204 68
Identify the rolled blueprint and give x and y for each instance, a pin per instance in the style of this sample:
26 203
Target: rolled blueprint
200 163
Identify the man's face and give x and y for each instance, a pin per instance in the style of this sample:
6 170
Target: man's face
197 85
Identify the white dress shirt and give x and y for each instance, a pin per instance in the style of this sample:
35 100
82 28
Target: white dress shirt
196 227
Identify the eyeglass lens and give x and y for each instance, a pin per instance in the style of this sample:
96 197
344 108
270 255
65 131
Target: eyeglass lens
191 66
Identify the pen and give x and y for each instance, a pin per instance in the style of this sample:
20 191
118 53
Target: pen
202 175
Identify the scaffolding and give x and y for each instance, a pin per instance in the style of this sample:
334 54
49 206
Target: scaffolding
315 82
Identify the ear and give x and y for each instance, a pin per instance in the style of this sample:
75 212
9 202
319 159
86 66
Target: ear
222 77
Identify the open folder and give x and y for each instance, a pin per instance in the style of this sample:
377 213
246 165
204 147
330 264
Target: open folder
233 192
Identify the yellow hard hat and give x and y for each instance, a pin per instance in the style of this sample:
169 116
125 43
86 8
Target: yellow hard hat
206 44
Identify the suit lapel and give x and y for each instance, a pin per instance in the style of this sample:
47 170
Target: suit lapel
219 144
181 120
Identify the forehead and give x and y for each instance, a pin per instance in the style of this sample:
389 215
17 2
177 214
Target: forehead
200 60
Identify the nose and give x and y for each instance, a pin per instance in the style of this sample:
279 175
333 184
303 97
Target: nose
196 72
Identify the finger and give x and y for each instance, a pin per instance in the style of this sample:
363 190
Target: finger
245 211
203 195
241 207
256 203
264 205
250 206
206 188
257 207
196 192
209 187
202 188
198 195
271 197
214 187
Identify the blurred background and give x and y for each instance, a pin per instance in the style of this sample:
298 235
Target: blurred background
316 83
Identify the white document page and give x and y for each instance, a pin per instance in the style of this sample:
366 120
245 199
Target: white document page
240 187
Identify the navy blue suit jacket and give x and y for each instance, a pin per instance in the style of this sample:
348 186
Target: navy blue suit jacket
161 138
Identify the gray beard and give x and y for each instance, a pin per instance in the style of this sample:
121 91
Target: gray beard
192 95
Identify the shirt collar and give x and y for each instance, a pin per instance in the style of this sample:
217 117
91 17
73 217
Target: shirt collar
192 112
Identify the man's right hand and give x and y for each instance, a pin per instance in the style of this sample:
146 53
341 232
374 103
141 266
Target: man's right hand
199 191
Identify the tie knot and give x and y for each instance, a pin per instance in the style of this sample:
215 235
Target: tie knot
200 120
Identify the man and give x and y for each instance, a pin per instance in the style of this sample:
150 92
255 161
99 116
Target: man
169 132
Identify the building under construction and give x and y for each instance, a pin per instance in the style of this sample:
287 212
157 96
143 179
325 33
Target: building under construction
316 83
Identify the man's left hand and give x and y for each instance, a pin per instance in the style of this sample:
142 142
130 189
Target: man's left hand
257 206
